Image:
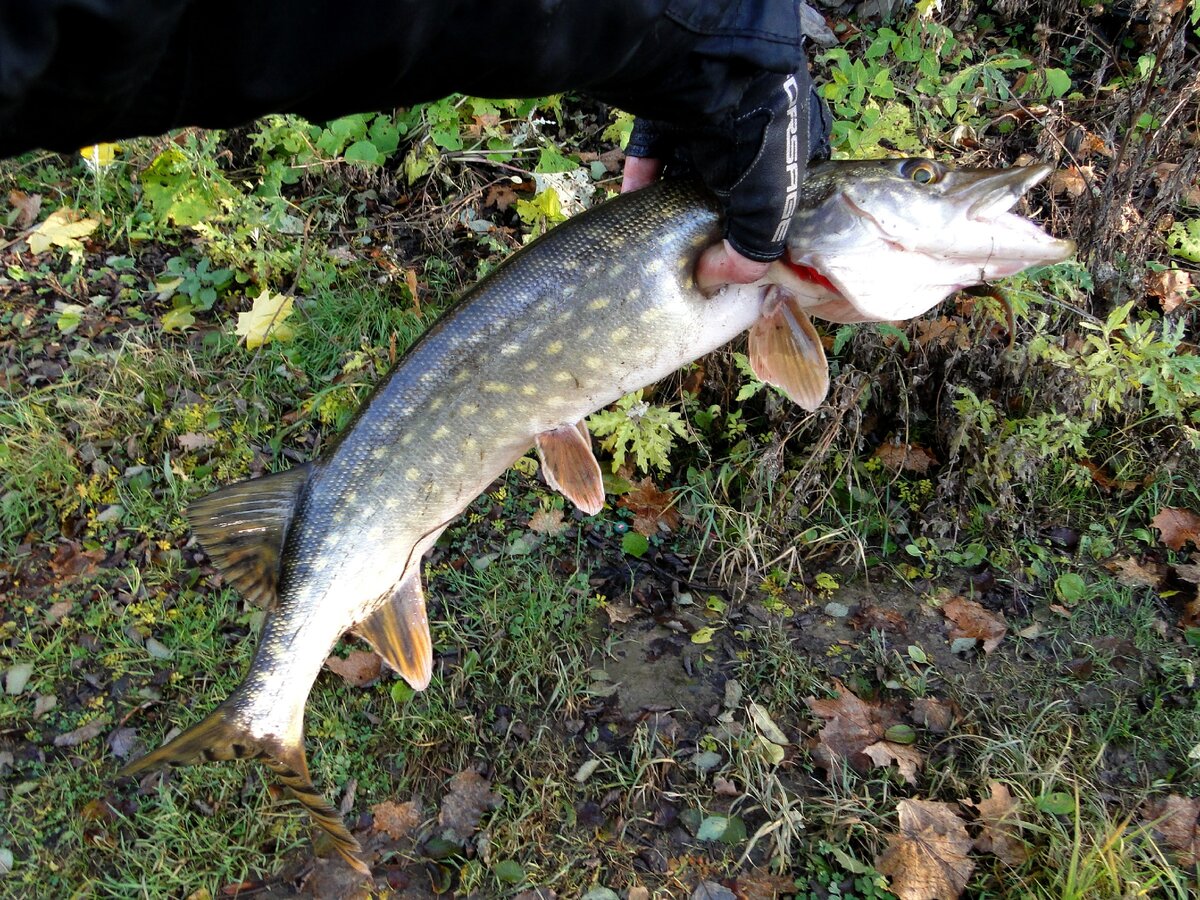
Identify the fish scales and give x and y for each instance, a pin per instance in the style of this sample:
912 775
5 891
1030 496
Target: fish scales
599 306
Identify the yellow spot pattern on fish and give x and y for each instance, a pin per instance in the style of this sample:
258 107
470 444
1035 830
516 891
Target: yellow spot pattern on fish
462 377
564 376
554 348
651 315
510 349
496 387
619 334
437 403
440 433
413 473
529 390
599 303
468 409
587 332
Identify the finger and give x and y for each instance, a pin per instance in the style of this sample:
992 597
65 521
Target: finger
720 264
639 172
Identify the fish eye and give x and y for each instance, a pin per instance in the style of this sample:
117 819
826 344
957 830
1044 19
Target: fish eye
922 172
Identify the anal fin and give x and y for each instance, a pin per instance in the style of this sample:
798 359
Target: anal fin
785 350
399 632
242 528
570 466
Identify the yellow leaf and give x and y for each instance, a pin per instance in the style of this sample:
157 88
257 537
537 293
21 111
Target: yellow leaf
97 156
265 321
62 228
703 635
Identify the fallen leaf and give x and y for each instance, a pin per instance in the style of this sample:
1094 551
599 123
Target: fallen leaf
933 714
1177 819
1177 526
766 725
192 441
1188 572
265 320
1000 825
469 798
62 228
851 726
27 207
907 759
358 669
970 620
501 195
1069 181
123 742
97 156
83 733
70 561
1130 572
928 859
17 677
1107 482
652 509
935 331
396 819
876 618
905 457
618 613
410 280
1173 288
548 521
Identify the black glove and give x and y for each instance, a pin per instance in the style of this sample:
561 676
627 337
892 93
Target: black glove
754 162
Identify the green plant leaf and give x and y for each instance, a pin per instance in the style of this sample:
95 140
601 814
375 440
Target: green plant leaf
635 544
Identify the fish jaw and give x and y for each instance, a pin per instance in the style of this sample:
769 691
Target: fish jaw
893 248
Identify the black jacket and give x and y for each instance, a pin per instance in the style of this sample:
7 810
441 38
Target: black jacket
74 72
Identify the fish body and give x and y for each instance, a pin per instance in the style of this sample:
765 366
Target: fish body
599 306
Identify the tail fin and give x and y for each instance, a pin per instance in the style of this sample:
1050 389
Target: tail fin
219 737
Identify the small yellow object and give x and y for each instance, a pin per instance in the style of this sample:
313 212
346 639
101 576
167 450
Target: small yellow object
62 228
97 156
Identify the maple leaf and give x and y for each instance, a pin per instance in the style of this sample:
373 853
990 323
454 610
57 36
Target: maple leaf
1177 526
970 620
905 457
1130 572
907 759
547 521
852 725
1177 819
469 798
650 507
358 669
928 859
396 819
62 228
265 320
1000 824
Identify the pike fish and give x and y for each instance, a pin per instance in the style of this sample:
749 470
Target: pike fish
600 306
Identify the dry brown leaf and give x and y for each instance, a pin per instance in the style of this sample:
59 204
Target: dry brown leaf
1106 481
651 508
71 561
928 859
1177 526
83 733
1000 822
1177 819
908 759
501 195
876 618
1172 287
27 206
1188 572
358 669
396 819
852 725
970 620
469 798
547 521
905 458
761 884
618 613
1069 181
931 713
935 331
192 441
1191 612
1131 573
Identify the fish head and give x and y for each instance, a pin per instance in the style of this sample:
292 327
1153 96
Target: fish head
890 239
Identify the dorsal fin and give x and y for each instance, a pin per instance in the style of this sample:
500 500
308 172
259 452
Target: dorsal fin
785 350
399 632
570 466
242 528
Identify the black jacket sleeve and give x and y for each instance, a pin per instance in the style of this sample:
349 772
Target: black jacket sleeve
73 72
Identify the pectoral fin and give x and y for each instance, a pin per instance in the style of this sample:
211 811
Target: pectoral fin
786 351
399 632
242 528
570 466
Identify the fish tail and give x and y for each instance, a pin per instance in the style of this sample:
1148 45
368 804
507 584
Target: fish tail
220 737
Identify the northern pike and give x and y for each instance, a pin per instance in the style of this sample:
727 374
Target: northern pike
599 306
